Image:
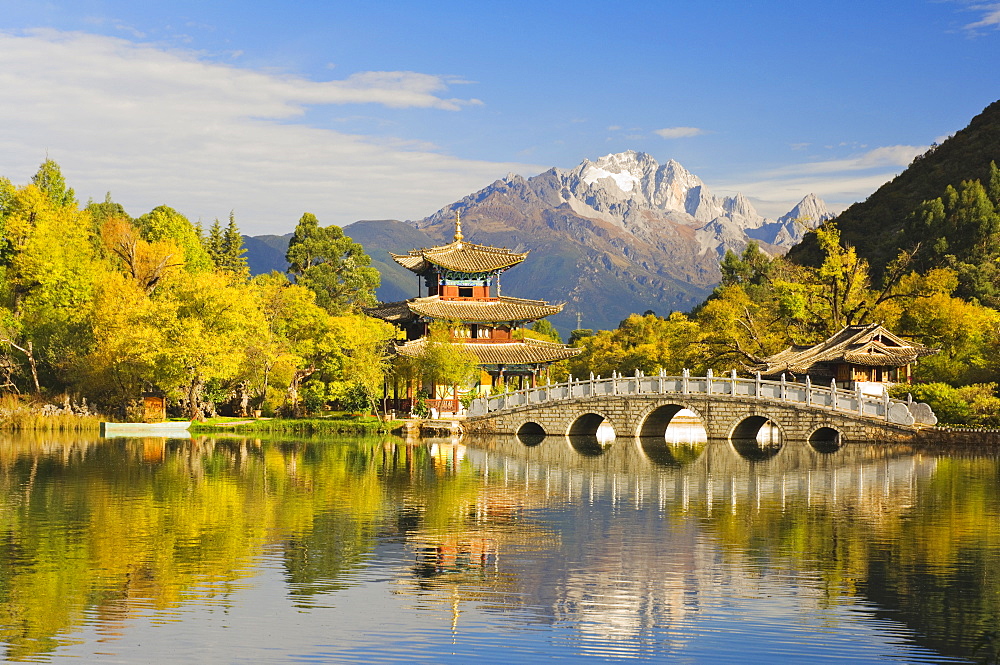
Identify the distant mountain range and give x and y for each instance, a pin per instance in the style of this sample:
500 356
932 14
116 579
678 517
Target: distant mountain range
619 235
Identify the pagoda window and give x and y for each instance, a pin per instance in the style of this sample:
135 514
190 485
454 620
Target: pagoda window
465 292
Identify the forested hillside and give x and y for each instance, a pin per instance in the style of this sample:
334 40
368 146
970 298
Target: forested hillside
878 225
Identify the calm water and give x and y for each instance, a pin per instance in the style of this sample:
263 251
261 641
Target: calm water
347 550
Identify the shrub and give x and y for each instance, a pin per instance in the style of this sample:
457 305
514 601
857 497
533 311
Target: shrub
947 401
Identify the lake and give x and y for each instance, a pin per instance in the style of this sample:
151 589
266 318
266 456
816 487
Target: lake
243 550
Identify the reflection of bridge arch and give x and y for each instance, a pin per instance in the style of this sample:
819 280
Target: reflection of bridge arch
715 458
865 475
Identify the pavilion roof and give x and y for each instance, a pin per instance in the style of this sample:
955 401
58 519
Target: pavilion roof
870 345
495 310
459 256
521 352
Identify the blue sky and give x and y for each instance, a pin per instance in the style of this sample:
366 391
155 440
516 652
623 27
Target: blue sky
395 109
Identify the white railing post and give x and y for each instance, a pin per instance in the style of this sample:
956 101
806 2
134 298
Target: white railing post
684 381
833 393
885 402
614 382
861 405
756 385
708 375
809 390
638 382
784 387
732 389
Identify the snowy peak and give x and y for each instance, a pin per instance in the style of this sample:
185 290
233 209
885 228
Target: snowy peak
810 212
630 188
739 206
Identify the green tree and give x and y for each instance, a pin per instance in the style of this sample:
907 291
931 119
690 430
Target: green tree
163 222
331 265
47 282
645 343
233 259
49 179
544 329
213 243
752 268
444 364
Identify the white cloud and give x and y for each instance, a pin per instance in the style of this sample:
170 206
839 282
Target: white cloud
838 182
679 132
894 155
156 125
990 17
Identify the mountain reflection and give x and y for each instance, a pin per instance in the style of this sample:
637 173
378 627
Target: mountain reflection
630 546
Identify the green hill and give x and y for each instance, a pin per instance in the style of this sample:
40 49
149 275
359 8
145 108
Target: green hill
876 226
266 253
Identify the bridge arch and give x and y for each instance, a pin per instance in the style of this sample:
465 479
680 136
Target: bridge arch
530 433
591 433
588 424
654 423
826 438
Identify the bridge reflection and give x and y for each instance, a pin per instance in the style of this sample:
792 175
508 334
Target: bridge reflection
690 469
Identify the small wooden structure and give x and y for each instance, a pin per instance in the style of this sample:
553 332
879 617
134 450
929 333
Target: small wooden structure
865 356
154 407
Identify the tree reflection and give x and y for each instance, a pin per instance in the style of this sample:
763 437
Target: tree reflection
103 531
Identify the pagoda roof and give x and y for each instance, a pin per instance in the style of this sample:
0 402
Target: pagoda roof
494 310
459 256
521 352
870 345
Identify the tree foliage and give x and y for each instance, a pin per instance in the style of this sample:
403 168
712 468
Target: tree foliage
98 303
331 265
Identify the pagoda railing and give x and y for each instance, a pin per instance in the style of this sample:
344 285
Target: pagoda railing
829 397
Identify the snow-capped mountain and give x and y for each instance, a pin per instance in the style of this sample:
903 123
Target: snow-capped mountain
610 237
622 187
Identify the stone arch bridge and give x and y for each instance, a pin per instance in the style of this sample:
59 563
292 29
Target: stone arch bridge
729 407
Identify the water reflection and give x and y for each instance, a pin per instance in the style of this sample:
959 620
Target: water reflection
642 550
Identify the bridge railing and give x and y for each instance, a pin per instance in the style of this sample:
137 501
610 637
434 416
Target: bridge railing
815 396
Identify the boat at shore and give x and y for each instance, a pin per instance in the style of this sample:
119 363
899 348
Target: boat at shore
166 428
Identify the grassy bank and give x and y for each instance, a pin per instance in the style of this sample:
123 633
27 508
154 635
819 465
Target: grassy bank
46 423
18 414
334 424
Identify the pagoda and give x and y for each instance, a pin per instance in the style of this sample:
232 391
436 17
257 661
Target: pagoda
462 283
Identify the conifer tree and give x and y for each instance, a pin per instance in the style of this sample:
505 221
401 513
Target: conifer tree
213 243
232 257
